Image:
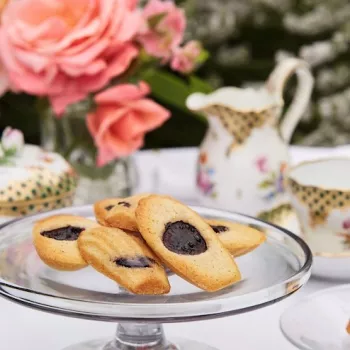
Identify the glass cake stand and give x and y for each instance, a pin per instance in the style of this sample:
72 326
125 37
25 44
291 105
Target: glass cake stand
320 321
273 271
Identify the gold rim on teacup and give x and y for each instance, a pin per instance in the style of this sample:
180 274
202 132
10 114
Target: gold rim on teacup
321 200
313 161
331 255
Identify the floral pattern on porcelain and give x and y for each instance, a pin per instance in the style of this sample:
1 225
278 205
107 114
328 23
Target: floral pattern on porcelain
346 224
204 176
346 241
346 235
262 164
274 182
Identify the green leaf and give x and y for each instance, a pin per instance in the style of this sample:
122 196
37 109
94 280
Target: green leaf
204 55
199 85
154 20
10 152
167 87
5 161
265 184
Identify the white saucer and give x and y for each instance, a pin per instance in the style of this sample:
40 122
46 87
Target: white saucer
319 321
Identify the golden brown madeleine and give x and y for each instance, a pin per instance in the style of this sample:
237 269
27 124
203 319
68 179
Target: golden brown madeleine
55 240
186 243
124 258
122 215
238 239
103 207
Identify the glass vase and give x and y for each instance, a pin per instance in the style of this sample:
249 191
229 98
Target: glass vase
69 136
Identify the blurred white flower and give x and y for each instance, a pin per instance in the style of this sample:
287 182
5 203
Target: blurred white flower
12 140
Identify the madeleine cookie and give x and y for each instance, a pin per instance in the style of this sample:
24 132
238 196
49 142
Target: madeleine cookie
102 209
238 239
185 243
125 259
122 215
55 240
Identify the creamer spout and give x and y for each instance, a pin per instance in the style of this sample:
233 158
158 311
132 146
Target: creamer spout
196 102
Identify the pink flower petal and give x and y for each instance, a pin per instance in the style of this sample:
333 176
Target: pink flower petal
107 117
31 60
160 39
132 4
130 27
51 29
115 148
121 60
120 147
60 102
123 93
144 116
81 60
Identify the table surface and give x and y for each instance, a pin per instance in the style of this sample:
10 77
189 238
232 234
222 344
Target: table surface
171 172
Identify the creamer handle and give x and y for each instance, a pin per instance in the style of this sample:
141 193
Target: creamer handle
276 83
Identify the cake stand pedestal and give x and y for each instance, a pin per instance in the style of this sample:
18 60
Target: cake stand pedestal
141 337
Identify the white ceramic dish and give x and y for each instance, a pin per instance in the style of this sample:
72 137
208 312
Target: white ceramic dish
319 321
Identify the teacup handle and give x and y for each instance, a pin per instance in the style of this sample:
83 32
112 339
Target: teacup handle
275 85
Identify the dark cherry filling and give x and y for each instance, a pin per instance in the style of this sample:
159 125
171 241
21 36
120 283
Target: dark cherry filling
219 228
137 262
67 233
125 204
183 238
110 207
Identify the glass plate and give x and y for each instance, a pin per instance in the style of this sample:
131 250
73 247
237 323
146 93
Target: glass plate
319 321
276 269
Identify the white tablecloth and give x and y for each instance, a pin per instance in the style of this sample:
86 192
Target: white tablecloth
171 172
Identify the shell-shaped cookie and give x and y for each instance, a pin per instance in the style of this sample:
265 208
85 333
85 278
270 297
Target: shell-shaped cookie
55 240
122 215
186 243
238 239
124 258
103 207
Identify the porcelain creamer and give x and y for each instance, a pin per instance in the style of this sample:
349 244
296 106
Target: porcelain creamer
244 155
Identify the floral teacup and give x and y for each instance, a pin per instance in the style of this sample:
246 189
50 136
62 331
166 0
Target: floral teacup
320 194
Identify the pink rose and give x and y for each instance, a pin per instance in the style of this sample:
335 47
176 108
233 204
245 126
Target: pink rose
4 83
132 4
3 3
66 49
121 119
185 58
163 29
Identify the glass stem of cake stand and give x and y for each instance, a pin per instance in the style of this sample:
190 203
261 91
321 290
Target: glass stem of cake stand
139 336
